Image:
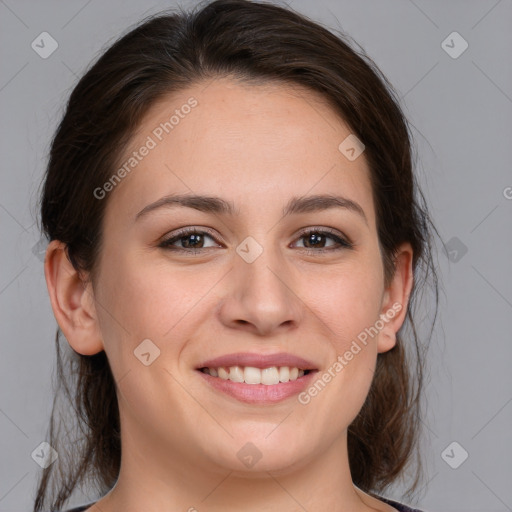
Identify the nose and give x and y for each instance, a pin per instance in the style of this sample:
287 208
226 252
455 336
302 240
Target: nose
260 296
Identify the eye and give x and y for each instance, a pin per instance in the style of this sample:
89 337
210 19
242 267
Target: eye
191 240
315 237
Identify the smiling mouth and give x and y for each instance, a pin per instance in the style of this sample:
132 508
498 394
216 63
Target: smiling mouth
250 375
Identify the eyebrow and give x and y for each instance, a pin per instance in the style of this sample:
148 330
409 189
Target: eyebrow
217 205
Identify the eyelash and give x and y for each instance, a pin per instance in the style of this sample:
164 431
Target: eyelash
344 243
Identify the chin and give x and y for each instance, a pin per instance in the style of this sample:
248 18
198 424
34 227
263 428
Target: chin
254 457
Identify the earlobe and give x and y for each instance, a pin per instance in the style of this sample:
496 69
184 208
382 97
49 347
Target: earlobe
72 301
396 298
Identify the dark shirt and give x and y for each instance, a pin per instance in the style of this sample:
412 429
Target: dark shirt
399 506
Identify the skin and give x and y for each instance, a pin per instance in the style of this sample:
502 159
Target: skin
257 146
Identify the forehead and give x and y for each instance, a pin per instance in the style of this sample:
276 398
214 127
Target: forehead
255 144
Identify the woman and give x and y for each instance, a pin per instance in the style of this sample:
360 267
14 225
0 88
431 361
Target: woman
236 238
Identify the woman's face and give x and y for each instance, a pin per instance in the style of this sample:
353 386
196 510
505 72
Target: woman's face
248 281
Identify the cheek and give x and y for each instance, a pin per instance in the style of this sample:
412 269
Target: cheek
141 300
347 300
348 304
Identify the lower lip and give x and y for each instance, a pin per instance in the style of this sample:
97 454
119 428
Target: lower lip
259 393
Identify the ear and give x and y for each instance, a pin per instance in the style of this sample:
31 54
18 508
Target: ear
396 299
72 301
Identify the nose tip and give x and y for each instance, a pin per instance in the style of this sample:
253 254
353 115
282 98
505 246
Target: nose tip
259 297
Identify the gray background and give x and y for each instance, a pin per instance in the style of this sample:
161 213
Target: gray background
461 112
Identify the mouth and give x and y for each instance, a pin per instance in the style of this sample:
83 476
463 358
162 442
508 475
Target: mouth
251 375
258 379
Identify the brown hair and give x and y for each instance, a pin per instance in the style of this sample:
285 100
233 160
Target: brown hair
253 42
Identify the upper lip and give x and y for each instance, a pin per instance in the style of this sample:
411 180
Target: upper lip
258 361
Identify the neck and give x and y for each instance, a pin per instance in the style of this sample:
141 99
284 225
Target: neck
156 480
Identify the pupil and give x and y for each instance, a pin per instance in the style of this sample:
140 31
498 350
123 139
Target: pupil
314 238
196 238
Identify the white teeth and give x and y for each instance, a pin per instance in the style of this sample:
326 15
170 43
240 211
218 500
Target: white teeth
251 375
222 373
236 374
270 376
